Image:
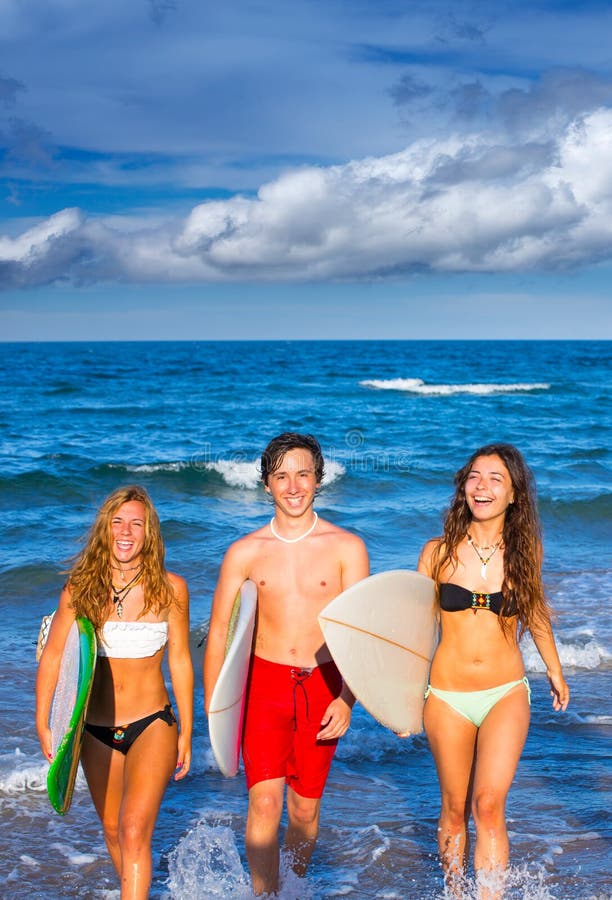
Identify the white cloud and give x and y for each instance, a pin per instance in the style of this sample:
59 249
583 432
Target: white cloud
463 204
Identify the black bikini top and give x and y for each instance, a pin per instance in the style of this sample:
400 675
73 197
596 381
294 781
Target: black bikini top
454 598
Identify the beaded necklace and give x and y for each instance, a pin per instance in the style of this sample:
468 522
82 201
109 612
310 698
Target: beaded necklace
293 540
123 571
119 594
484 560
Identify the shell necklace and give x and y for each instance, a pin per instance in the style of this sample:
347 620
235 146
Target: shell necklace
293 540
486 555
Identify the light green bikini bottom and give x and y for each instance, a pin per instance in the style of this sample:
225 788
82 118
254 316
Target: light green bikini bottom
476 705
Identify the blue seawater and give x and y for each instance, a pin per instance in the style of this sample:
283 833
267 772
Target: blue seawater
395 419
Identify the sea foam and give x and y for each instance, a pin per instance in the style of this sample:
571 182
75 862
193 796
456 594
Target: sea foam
22 780
576 654
418 386
247 474
150 468
236 473
206 863
20 775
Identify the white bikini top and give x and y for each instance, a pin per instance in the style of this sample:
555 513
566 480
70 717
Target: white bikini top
132 640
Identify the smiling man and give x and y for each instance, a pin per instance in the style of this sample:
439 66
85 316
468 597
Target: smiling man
297 705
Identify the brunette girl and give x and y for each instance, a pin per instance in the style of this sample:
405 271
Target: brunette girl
487 568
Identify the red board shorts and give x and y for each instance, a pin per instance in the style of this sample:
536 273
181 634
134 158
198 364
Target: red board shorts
284 708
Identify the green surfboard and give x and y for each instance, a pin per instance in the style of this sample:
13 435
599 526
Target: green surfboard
68 710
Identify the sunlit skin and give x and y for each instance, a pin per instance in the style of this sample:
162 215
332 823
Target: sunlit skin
128 534
295 582
293 487
488 492
473 655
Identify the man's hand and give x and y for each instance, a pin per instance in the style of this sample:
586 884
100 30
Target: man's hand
335 721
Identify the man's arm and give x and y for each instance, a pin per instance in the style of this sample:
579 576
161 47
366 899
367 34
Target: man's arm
355 567
232 575
355 562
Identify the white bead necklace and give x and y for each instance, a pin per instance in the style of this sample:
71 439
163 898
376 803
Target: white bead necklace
484 559
293 540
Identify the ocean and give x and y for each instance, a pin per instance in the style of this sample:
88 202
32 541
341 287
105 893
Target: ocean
188 420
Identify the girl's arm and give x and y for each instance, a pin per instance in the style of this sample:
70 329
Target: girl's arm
424 565
544 640
48 668
181 671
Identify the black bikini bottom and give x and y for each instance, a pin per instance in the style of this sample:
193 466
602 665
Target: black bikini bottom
121 737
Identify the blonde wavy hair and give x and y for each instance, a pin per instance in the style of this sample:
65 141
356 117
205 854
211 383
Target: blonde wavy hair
90 576
522 587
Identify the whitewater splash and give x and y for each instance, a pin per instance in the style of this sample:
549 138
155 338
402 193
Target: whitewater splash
236 473
582 652
515 883
206 863
418 386
151 468
247 474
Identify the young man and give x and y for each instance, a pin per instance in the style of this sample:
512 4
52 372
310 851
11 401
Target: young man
297 706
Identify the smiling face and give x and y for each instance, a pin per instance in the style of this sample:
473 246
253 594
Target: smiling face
128 531
293 484
488 488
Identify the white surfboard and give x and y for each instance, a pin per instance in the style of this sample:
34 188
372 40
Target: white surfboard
382 633
226 710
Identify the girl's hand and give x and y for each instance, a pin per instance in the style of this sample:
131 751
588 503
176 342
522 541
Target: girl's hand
559 691
44 737
183 761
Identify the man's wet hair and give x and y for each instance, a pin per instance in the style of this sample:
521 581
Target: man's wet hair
273 455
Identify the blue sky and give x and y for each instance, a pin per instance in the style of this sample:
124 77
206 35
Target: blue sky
305 168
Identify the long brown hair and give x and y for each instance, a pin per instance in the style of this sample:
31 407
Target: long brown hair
90 577
522 587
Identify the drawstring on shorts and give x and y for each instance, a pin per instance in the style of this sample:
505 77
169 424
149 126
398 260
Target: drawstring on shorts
299 677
